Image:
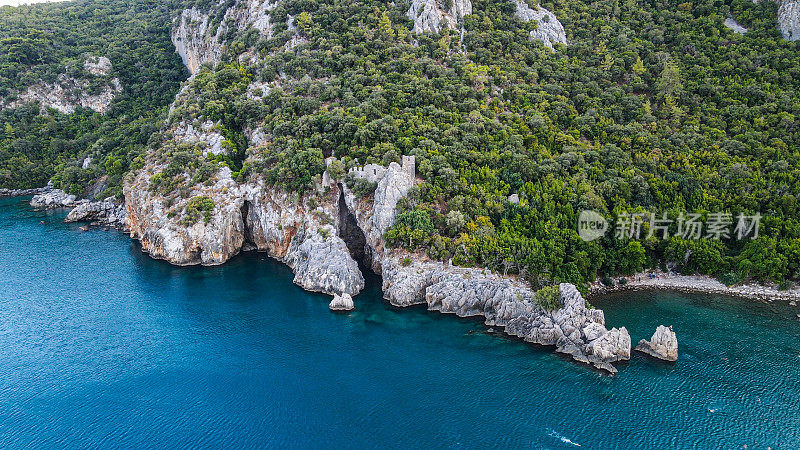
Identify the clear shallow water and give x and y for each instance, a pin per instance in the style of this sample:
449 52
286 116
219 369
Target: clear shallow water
102 346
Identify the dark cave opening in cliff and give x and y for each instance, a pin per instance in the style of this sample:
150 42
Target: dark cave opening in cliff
351 234
249 242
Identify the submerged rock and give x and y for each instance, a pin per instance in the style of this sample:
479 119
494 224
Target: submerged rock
342 302
663 344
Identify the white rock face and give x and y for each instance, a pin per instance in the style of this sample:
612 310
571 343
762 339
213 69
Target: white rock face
197 40
663 344
429 15
342 302
550 31
55 198
206 133
193 41
68 93
789 19
100 66
246 217
734 26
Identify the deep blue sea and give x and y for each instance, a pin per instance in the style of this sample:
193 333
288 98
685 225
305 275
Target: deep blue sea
101 346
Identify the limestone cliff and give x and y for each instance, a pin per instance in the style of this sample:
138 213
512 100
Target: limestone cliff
320 233
198 35
96 90
549 30
432 16
789 19
300 231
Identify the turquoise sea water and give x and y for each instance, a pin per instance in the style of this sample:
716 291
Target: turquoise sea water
101 346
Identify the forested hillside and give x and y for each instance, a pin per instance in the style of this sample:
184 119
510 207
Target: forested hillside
651 106
42 44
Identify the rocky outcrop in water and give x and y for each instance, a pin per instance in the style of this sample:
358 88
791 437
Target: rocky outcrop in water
573 329
549 29
663 344
22 192
430 15
789 19
342 302
106 212
54 198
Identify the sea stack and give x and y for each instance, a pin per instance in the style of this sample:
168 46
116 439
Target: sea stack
663 344
342 302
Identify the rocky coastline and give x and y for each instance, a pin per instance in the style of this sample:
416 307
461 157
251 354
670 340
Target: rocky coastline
107 212
22 192
325 233
694 284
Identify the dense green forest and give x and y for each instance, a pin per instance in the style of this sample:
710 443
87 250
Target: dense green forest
40 42
653 106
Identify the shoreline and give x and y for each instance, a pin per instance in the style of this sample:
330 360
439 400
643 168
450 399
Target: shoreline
643 281
8 193
694 284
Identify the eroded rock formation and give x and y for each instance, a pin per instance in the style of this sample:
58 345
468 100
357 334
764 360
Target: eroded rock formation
432 16
198 35
68 93
573 329
549 29
663 344
342 302
53 198
789 19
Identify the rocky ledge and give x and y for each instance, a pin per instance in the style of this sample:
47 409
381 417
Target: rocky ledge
663 344
53 198
22 192
104 213
573 328
695 284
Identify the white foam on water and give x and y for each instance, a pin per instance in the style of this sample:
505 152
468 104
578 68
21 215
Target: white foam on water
561 438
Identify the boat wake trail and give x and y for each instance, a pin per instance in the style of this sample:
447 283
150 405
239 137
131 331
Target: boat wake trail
561 438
